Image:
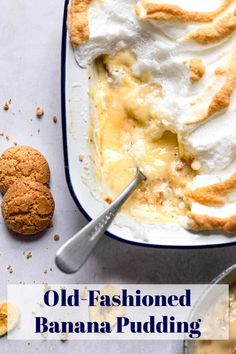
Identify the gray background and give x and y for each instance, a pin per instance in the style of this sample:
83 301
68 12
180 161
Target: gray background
30 42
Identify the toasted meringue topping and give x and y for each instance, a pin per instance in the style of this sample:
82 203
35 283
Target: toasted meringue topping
197 69
183 11
188 48
216 31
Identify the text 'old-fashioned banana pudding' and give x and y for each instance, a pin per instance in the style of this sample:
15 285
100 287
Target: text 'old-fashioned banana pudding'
163 77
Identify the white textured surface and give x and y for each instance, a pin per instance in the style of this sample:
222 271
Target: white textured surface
30 75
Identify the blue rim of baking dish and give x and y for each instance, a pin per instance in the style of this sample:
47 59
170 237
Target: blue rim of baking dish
66 159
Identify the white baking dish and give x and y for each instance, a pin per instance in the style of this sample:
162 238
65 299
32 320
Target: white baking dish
75 118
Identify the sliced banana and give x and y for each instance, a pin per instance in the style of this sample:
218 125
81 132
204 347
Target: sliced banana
9 317
106 314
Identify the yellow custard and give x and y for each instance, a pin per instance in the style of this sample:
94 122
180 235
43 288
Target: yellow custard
129 135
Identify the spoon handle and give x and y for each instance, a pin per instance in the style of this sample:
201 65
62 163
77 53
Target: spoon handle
73 254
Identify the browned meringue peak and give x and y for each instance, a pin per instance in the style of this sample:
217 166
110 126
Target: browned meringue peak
214 194
78 21
151 9
216 31
196 69
209 223
222 98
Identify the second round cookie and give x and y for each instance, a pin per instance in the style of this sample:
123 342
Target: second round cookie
28 207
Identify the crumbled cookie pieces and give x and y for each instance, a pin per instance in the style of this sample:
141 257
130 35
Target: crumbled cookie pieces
29 255
39 112
10 269
6 106
54 119
56 237
63 337
108 200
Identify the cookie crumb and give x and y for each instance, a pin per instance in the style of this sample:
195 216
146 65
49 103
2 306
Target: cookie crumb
15 143
81 157
54 118
10 269
46 287
29 255
6 106
63 337
9 102
56 237
39 112
179 166
108 200
7 137
45 271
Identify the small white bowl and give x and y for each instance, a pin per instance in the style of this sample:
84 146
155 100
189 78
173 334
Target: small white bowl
228 276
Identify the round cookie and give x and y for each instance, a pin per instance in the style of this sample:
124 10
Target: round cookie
28 207
22 161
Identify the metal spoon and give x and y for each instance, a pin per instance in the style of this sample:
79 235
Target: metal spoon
73 254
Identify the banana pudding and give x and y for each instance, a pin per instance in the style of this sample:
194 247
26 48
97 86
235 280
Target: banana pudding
165 99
